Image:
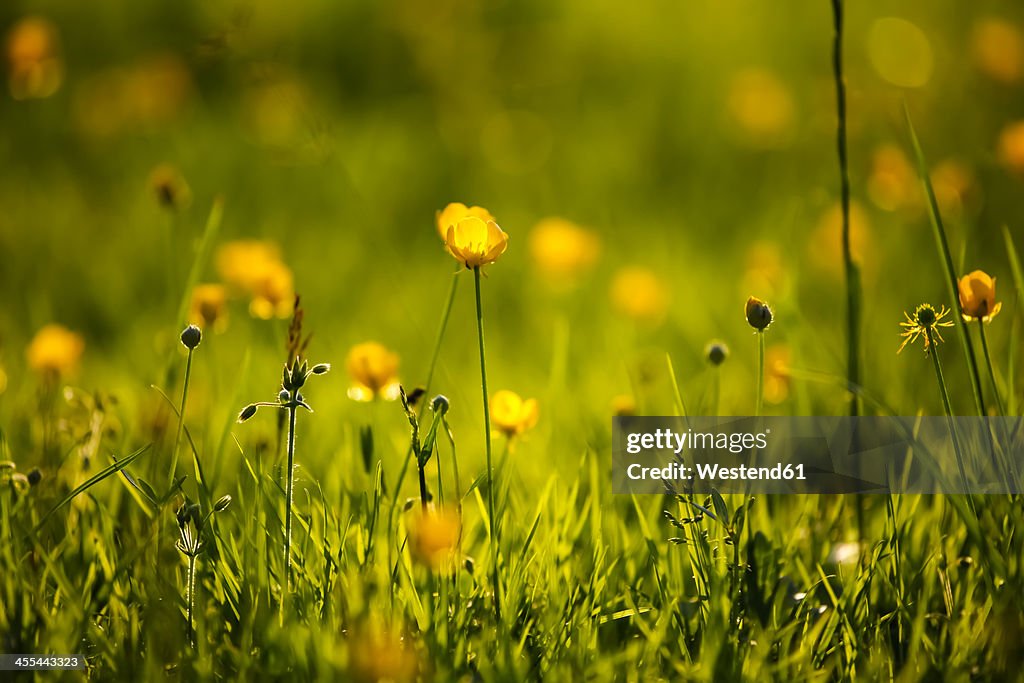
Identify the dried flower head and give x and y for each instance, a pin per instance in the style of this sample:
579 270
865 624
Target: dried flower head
925 322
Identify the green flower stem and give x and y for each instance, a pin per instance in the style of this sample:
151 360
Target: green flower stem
181 419
760 373
991 370
487 443
933 352
191 598
290 490
438 340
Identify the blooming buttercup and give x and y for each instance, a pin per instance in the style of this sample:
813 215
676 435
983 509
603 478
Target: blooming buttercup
374 369
55 350
978 296
475 243
455 212
639 294
511 415
434 535
563 250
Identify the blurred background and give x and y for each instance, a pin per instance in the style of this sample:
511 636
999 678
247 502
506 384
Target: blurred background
688 149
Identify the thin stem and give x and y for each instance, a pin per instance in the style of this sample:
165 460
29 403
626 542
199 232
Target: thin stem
191 598
422 467
289 491
487 442
760 373
933 352
181 418
438 340
850 267
991 369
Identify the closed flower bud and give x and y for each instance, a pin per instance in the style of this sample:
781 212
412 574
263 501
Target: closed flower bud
759 315
222 504
321 368
191 336
247 412
34 477
440 404
284 396
716 352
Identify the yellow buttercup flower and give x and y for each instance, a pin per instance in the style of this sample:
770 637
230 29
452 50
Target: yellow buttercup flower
1011 146
376 654
998 49
475 243
34 59
209 306
777 377
273 295
55 350
374 369
255 267
978 296
511 415
623 405
639 294
563 250
455 212
434 535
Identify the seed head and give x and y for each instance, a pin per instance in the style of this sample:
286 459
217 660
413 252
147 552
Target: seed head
191 336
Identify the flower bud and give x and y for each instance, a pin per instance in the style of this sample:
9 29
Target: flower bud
321 368
247 412
284 396
759 315
222 504
440 404
716 352
191 336
34 477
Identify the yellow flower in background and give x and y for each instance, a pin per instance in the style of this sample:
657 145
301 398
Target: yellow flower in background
623 405
639 294
434 535
900 52
511 415
378 656
998 49
374 369
273 295
761 107
892 183
55 350
825 246
766 270
777 377
209 306
475 243
3 381
978 296
169 187
455 212
955 189
255 268
562 250
1011 146
35 65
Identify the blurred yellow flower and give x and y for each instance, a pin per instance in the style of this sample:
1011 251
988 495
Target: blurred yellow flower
761 106
766 270
511 415
3 381
955 189
36 68
255 268
169 187
623 405
274 293
978 296
777 377
55 350
892 183
1011 146
639 294
998 49
825 247
562 250
379 656
434 535
455 212
209 306
374 369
